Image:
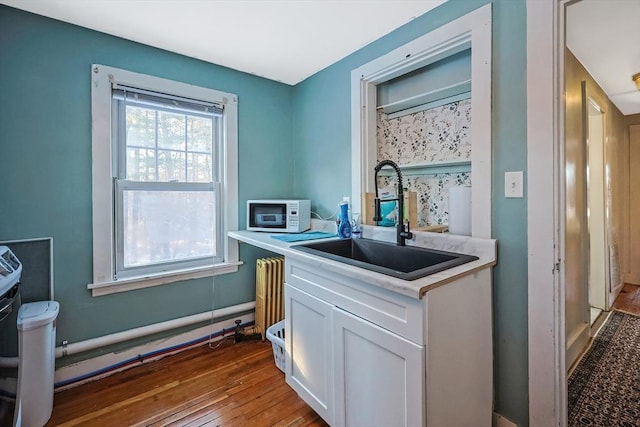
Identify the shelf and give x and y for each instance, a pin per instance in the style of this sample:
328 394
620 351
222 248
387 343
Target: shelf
432 168
432 99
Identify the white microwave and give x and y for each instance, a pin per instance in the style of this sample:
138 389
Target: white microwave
281 216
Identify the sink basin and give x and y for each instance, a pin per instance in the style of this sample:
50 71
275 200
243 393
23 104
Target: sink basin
404 262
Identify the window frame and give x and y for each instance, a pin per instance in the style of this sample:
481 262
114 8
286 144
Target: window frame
124 97
104 163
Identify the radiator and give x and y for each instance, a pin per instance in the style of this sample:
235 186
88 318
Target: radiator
269 293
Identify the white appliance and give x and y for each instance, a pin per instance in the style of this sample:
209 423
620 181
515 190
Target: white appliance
278 215
36 345
36 365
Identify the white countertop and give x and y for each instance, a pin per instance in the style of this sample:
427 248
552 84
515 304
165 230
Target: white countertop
484 249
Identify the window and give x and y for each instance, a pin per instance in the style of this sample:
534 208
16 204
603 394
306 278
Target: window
164 180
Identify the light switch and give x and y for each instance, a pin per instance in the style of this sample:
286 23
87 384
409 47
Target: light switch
513 184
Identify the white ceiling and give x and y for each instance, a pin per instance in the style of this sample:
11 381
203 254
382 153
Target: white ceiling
605 36
283 40
289 40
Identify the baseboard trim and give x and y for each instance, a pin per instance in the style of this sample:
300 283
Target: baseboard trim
614 294
577 343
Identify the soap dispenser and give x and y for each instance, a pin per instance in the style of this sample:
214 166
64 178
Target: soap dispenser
356 227
344 224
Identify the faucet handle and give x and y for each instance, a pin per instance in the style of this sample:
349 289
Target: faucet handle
406 230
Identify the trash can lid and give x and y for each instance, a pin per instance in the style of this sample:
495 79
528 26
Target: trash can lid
35 314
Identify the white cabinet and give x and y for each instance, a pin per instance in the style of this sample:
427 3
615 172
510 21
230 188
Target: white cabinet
350 371
362 355
308 341
378 375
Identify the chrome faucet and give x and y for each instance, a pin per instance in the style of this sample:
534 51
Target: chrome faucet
402 229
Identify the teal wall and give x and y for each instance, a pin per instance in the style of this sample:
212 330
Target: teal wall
322 135
45 163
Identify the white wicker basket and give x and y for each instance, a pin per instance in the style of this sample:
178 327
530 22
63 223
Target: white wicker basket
275 334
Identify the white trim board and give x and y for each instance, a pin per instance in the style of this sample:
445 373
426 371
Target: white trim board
546 295
133 283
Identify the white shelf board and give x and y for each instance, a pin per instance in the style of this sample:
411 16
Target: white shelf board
426 168
428 97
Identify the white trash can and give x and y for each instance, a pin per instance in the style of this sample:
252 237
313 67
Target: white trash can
36 365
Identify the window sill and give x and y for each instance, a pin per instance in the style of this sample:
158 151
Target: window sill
133 283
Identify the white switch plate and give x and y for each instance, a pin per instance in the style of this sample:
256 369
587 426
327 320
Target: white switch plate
513 184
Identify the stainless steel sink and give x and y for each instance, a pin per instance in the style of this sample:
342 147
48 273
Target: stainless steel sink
404 262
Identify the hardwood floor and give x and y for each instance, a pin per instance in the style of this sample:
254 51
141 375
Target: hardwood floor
233 385
629 299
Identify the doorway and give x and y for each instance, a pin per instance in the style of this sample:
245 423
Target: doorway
598 280
595 167
548 248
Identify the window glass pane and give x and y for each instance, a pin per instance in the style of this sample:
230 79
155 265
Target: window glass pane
166 226
141 164
199 168
171 131
171 166
199 134
141 127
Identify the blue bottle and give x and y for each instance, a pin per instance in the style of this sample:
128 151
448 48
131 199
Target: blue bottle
344 225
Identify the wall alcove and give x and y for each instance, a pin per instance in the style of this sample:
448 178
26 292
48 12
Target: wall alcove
470 33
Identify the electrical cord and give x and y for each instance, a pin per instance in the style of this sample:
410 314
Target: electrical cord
213 292
224 337
212 332
333 214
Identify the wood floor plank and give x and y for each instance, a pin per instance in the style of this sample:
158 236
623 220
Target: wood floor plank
249 409
231 411
166 402
144 376
206 403
198 384
289 415
233 385
629 299
88 417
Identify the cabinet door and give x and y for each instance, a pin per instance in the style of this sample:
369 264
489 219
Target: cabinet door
379 376
309 350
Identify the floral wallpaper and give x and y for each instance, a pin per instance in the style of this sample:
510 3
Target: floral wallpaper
436 135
